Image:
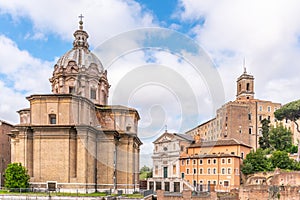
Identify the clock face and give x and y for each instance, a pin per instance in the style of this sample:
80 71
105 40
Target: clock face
165 149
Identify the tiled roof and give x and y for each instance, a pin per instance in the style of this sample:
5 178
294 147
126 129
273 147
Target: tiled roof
185 136
186 156
4 122
223 142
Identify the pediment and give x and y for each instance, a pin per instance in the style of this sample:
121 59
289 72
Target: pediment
166 137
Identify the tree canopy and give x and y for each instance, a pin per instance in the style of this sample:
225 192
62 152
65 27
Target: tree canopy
289 111
16 176
280 159
145 172
280 138
256 161
264 140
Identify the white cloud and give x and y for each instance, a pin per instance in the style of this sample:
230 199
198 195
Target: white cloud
23 75
102 18
266 33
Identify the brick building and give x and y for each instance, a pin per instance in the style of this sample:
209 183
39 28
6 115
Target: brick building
214 164
72 138
5 128
239 119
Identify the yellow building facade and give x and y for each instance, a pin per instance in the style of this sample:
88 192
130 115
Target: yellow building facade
213 165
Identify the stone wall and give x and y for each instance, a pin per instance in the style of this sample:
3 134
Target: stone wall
185 195
259 192
5 152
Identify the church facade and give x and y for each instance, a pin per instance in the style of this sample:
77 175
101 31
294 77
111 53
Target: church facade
71 138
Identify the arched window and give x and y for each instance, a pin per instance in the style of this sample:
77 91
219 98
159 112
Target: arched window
248 87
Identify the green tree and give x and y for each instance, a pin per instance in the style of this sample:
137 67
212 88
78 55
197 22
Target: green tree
289 111
264 140
293 149
16 176
145 172
256 161
280 159
280 138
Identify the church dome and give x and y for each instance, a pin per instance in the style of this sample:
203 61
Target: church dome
80 52
80 72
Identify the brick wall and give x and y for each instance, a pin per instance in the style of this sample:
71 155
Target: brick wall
259 192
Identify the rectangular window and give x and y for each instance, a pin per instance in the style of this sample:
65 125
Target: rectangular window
208 171
181 148
214 171
195 171
200 162
194 161
214 161
226 183
174 169
242 155
93 94
165 172
223 160
260 117
158 185
269 108
187 171
182 162
228 170
223 170
229 160
260 108
236 171
208 161
52 119
200 171
250 130
249 116
72 90
187 162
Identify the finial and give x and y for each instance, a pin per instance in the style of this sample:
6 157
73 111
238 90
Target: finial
244 66
81 22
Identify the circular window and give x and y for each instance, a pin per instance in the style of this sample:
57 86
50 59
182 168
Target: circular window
165 148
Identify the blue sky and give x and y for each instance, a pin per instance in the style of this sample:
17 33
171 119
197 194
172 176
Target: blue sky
34 34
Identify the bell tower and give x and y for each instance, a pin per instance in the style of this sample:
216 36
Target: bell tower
245 86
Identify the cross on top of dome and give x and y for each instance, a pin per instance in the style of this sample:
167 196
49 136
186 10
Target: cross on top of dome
81 22
81 36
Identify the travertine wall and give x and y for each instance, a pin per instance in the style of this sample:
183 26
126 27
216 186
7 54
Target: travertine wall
77 151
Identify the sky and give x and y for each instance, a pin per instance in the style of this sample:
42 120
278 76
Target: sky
176 62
